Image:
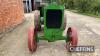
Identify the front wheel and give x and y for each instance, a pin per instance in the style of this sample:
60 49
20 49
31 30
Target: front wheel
37 20
65 21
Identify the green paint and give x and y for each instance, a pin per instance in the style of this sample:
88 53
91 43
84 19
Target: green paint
53 34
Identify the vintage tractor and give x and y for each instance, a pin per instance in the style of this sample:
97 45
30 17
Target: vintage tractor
52 23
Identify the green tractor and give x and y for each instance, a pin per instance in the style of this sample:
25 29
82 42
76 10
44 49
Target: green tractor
51 21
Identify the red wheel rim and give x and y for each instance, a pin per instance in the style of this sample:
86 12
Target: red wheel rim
73 36
32 45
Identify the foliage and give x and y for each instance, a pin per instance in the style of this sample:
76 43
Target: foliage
89 6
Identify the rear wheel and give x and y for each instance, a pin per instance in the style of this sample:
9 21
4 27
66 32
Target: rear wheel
32 44
73 38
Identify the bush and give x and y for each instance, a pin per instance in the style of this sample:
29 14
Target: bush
89 6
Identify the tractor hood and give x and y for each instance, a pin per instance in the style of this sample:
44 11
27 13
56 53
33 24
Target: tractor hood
54 6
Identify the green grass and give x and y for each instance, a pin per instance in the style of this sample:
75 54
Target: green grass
88 14
93 15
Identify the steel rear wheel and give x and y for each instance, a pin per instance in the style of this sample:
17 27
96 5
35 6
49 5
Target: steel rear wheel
72 33
32 44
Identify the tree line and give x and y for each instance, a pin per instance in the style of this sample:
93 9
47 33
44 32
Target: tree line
90 6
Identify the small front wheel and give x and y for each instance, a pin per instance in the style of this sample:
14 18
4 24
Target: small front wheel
37 20
65 21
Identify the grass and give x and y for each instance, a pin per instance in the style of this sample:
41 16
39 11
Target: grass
88 14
